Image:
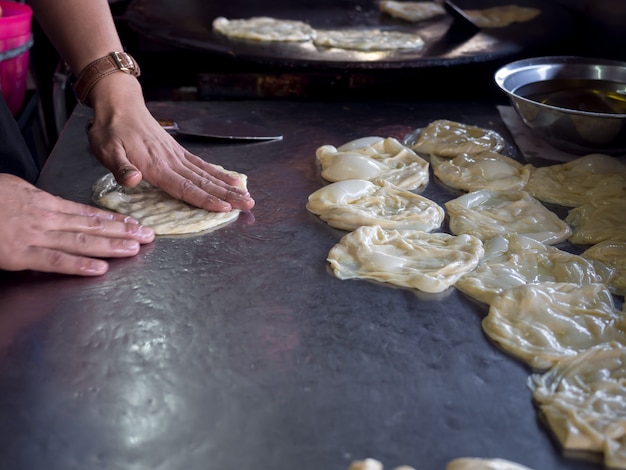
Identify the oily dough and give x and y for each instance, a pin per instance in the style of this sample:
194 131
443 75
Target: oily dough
373 157
597 221
349 204
583 400
264 29
156 209
411 11
514 260
572 184
473 463
487 213
501 16
368 39
485 170
429 262
613 255
545 322
447 138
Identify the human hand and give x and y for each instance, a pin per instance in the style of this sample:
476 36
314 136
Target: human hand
128 141
42 232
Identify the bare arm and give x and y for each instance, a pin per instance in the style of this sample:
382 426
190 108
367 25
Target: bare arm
125 137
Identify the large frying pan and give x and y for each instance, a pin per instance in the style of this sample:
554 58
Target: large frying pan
187 23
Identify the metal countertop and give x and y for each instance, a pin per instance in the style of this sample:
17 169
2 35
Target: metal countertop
238 349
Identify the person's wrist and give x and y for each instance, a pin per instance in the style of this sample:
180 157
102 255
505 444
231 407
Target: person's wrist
114 63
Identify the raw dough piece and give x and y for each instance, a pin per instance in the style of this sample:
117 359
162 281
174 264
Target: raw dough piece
579 181
157 209
597 221
351 203
613 255
430 262
264 29
486 213
446 138
411 11
501 16
466 463
584 402
485 170
544 323
371 158
515 260
368 39
367 464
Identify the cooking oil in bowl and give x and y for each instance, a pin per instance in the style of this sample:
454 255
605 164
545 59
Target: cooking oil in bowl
595 96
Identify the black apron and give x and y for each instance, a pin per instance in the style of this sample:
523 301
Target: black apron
15 157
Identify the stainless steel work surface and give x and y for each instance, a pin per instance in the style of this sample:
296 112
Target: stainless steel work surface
238 349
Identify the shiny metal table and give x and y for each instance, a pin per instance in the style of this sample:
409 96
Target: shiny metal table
238 349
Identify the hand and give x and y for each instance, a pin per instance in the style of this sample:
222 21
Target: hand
43 232
128 141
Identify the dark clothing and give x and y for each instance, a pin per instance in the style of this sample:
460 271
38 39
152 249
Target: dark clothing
15 157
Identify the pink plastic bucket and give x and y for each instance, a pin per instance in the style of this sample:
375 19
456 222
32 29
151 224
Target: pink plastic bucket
15 42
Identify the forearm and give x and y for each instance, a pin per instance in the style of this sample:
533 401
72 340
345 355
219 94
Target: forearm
80 30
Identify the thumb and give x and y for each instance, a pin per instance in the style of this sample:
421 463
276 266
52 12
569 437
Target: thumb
128 175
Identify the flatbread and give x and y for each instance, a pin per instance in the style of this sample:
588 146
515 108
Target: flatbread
597 221
487 213
368 39
546 322
473 463
584 402
264 29
579 181
503 15
521 261
350 204
613 255
429 262
156 209
485 170
447 138
412 11
371 158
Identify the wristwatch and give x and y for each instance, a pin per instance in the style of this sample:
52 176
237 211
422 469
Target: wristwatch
100 68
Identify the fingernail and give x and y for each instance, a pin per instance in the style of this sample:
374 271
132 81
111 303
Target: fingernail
94 267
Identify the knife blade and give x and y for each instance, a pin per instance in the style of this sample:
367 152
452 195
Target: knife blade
220 129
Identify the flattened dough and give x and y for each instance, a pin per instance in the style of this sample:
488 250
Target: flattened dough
579 181
468 463
486 213
544 323
429 262
524 262
264 29
370 158
351 203
447 138
503 15
584 402
368 39
611 254
597 221
157 209
412 11
485 170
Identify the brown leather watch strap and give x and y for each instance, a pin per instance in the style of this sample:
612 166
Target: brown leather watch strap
100 68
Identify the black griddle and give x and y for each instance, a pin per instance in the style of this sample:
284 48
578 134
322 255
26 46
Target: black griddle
188 24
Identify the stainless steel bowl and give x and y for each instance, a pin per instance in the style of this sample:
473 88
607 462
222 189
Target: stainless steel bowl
576 104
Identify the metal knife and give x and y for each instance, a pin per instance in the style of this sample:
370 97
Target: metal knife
220 128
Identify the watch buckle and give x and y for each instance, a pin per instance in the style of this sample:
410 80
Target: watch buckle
117 57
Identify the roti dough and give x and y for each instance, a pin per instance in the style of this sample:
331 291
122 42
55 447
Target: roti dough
411 11
156 209
368 39
264 29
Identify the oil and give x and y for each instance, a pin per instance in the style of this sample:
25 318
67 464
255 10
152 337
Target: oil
598 96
